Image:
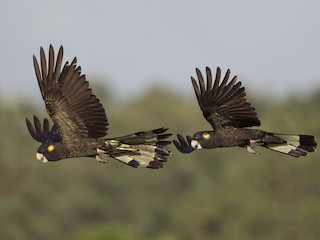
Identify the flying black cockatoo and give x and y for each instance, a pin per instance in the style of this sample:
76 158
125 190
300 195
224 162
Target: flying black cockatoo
80 122
225 107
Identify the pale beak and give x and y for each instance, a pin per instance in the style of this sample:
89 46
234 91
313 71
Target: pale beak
195 144
41 158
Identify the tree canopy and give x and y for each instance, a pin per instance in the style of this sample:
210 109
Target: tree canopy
213 194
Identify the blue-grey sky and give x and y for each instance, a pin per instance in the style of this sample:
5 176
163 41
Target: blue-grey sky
273 46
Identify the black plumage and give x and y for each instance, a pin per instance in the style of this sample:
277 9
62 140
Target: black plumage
43 133
225 107
80 122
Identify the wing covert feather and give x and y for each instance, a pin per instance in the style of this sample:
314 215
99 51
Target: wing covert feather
68 98
224 103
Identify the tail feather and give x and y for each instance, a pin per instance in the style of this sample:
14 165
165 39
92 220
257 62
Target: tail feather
149 137
293 145
142 149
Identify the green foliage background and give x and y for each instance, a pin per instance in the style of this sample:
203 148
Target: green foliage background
216 194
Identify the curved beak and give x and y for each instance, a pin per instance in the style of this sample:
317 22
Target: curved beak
195 144
41 158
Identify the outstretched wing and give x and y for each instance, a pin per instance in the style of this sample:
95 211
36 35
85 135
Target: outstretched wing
224 104
183 145
69 101
42 133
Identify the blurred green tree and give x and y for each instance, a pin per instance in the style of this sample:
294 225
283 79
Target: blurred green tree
217 194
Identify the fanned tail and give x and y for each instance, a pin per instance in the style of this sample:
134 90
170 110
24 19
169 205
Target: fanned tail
290 144
142 149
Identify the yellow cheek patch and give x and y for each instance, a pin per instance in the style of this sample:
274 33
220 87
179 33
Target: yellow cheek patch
50 148
206 135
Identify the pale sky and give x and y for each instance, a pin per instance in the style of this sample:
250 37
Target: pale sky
273 46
